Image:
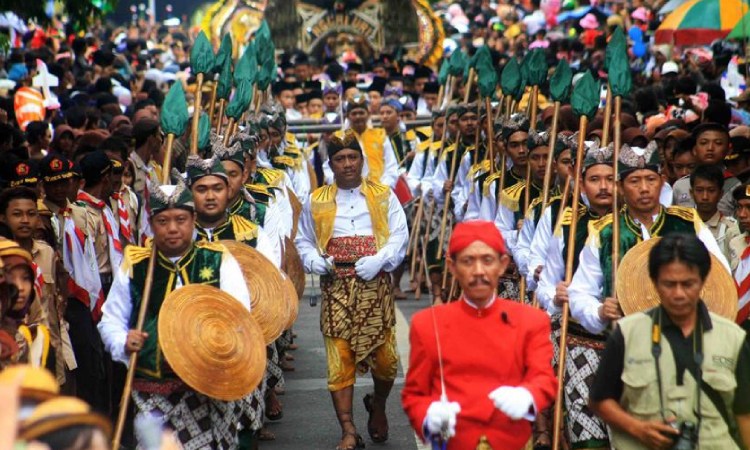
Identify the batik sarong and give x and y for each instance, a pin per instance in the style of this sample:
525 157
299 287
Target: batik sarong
585 429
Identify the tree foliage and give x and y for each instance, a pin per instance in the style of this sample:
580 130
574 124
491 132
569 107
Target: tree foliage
80 12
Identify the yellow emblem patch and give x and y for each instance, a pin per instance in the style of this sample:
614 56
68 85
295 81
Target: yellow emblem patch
206 273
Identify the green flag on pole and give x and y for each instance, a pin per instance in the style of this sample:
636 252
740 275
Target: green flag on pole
201 55
560 82
585 98
174 111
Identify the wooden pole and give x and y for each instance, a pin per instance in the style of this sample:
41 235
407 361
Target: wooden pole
196 115
607 117
220 117
552 143
228 133
476 135
490 134
447 202
574 203
212 104
615 200
533 105
133 359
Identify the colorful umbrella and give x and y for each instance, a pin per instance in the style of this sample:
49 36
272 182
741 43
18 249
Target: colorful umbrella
742 29
700 22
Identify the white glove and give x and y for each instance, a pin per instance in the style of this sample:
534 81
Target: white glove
368 267
321 266
513 401
442 416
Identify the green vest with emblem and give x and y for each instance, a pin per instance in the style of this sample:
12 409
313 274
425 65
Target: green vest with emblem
640 395
201 265
236 228
673 219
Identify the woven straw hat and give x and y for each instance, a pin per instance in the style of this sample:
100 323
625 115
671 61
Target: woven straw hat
636 292
290 294
293 267
212 342
264 282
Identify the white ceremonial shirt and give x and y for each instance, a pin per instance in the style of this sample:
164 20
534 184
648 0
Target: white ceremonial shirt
538 250
585 290
353 219
118 308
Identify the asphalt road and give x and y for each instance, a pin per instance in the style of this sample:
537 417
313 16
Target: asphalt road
309 420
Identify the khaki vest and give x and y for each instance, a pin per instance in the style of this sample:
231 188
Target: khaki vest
640 396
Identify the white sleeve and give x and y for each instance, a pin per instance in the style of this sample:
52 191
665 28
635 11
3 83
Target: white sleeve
523 244
705 235
538 247
232 281
475 200
585 290
281 199
269 246
300 181
553 273
438 181
414 176
272 219
390 169
393 252
504 221
116 312
488 204
305 241
461 186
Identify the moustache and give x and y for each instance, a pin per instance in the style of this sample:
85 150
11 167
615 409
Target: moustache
479 281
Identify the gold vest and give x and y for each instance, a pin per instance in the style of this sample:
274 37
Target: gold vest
323 209
640 395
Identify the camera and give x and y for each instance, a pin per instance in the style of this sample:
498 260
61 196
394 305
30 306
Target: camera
687 439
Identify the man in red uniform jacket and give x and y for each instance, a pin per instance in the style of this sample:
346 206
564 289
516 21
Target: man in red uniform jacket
496 354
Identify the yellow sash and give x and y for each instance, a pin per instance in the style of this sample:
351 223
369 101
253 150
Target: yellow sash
323 208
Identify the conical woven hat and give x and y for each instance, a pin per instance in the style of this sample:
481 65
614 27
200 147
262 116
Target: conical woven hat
293 267
264 282
290 294
636 292
212 342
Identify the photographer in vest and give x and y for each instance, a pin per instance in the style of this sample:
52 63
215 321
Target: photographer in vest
677 375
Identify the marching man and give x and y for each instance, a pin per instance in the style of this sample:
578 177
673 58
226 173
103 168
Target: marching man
353 233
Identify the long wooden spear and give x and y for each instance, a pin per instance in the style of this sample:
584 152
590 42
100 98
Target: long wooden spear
584 101
534 69
620 81
174 120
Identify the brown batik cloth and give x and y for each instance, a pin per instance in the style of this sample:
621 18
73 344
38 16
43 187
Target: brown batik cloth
361 319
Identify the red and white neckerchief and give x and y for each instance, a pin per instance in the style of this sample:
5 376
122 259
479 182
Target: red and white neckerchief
123 214
742 278
113 235
79 259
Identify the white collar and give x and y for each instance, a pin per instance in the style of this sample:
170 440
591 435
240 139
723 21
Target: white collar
473 305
